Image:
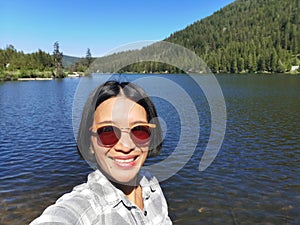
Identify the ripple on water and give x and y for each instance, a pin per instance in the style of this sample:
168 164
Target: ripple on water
253 180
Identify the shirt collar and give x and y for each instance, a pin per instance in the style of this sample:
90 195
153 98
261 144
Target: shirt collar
113 196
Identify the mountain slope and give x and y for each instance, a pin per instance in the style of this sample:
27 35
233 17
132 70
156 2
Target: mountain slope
246 36
69 60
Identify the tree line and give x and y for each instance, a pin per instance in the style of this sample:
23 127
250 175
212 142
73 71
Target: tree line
16 64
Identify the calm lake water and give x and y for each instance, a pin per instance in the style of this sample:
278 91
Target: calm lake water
253 180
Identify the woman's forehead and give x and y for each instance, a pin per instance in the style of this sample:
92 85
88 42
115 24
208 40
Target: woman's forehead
120 109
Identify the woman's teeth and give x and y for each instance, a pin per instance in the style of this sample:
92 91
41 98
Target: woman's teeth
124 160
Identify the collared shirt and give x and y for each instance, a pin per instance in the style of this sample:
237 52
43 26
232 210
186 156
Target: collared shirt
99 202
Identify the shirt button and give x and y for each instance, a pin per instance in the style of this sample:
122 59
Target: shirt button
145 213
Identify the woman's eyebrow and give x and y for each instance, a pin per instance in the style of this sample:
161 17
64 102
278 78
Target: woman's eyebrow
104 122
140 121
113 123
137 122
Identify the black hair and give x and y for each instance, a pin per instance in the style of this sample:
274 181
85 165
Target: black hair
104 92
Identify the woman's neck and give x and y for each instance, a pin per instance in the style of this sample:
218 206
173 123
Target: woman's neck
133 193
132 190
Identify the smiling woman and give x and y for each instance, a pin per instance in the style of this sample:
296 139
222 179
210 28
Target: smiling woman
118 131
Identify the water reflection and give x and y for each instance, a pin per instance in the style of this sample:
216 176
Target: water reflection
253 180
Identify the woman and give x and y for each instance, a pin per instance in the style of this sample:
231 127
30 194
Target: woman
118 131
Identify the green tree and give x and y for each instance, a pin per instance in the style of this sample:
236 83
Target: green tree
241 64
274 62
261 63
233 66
88 57
57 55
2 60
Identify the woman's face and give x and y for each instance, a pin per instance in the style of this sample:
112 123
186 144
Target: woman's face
122 161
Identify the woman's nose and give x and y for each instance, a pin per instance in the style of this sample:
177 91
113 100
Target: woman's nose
125 143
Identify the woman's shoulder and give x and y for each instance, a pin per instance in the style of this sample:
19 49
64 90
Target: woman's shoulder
74 206
84 194
96 189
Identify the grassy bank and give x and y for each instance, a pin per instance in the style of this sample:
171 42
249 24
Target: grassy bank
7 75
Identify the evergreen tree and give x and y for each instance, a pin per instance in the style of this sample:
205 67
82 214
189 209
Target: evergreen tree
57 55
88 57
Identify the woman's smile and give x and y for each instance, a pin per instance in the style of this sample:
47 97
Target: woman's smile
123 160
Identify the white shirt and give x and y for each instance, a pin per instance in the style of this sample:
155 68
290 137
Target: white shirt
99 202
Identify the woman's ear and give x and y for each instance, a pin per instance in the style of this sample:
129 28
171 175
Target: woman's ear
91 148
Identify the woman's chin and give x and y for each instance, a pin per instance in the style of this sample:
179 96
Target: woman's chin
122 177
128 180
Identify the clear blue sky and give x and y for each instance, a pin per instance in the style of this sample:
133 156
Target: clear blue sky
100 25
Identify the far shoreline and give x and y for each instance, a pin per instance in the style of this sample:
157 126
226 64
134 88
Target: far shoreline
11 76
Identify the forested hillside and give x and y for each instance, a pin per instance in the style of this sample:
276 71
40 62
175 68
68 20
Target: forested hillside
244 37
247 36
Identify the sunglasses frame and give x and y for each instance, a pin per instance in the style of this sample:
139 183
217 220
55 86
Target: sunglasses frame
94 130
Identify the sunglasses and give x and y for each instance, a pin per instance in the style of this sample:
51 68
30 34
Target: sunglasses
109 135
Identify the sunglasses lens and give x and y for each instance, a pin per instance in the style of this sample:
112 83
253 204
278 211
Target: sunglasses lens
140 135
108 135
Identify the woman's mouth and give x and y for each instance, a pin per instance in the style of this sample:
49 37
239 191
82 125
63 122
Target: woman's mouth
125 162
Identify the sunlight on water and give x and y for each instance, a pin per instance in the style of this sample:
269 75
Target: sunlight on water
253 180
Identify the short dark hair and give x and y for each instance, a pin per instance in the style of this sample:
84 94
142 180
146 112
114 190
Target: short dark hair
104 92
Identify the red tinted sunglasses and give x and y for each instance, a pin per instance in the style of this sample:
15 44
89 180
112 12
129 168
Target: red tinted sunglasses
108 135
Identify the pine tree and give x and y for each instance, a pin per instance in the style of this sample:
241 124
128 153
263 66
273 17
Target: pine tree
57 55
88 57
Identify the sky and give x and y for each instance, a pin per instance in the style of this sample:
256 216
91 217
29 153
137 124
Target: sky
100 25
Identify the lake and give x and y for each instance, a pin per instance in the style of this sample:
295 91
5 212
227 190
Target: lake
254 178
